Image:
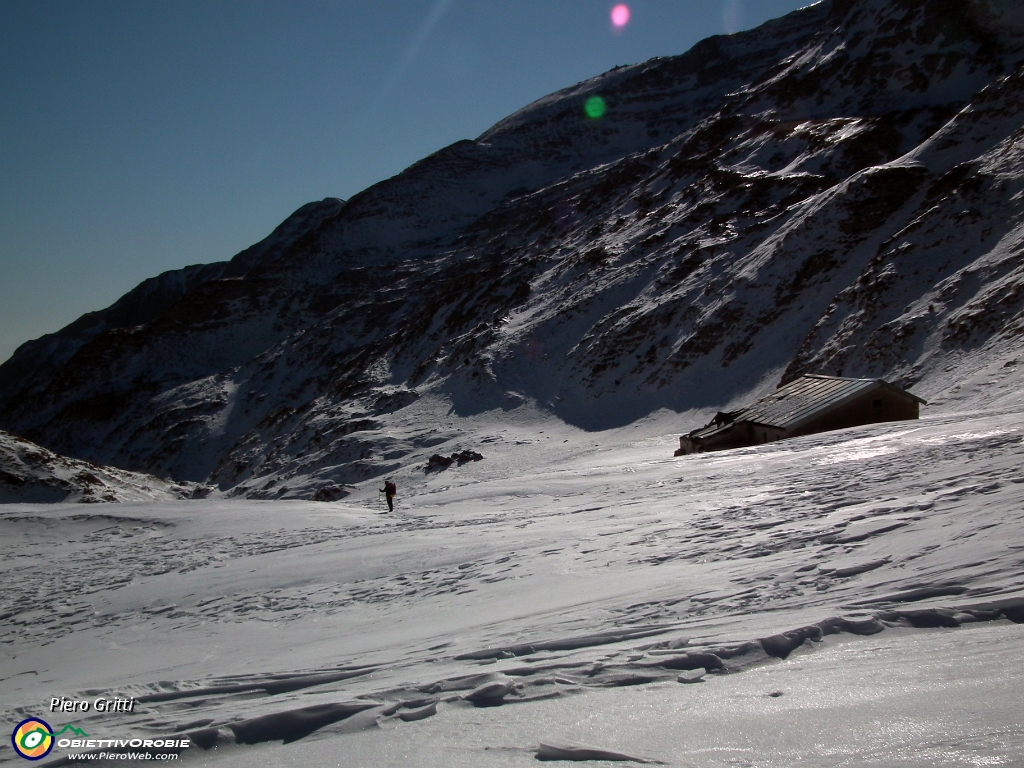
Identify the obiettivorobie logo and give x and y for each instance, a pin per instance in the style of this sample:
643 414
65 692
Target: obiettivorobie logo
33 739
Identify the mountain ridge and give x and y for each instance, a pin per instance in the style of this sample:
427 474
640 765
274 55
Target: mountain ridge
835 191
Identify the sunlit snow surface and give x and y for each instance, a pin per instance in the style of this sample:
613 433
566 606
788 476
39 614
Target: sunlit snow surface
908 699
215 613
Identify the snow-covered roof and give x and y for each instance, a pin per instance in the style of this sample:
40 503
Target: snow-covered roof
811 395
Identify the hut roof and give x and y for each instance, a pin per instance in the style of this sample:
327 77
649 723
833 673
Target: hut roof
807 397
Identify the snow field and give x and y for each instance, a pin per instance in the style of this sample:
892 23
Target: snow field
570 578
907 699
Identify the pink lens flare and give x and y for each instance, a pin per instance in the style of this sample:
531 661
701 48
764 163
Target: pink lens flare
620 15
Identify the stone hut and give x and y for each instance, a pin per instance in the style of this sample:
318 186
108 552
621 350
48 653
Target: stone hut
805 406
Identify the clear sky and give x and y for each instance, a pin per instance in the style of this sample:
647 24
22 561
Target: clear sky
138 137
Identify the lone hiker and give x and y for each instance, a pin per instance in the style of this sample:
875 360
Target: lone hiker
390 491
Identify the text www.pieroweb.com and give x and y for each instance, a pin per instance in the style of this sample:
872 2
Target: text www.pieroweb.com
121 756
132 753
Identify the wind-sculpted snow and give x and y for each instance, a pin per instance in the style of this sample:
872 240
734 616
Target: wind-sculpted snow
556 571
834 192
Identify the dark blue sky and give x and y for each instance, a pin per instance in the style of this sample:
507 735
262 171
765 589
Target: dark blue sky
137 137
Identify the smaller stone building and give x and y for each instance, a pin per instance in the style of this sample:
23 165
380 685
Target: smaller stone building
805 406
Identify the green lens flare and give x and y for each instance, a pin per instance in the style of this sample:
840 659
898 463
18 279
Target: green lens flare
595 107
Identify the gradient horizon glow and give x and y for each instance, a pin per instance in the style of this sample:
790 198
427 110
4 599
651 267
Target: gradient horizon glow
620 15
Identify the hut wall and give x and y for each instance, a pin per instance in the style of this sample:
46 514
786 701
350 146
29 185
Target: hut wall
739 435
760 433
686 446
733 436
872 407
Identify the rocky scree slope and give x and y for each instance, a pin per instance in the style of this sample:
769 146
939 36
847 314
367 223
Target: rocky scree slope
837 191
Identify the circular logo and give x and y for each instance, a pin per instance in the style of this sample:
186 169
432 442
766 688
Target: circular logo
33 739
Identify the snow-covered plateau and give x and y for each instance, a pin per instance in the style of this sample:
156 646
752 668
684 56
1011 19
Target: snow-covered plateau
851 598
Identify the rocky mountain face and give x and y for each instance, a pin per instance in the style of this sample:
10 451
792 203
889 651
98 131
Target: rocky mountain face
838 191
30 473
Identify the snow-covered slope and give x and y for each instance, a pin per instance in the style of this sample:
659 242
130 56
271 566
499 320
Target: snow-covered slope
838 191
853 598
30 473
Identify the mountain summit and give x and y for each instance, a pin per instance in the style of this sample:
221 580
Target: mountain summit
838 191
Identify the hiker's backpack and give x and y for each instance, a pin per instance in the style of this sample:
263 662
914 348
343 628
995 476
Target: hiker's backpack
390 489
